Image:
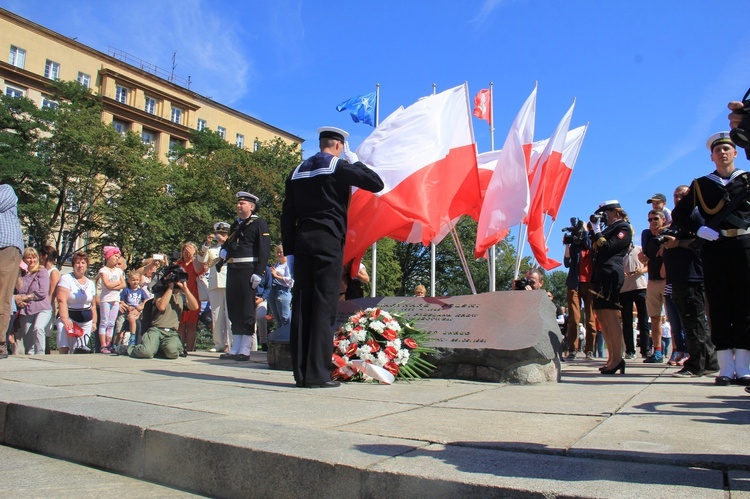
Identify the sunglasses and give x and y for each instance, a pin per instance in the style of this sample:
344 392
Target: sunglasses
653 218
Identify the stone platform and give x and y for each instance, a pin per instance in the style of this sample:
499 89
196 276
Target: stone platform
240 429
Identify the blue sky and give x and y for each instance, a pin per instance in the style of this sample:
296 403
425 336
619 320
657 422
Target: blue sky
651 77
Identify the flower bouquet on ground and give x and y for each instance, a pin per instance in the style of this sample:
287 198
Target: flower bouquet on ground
376 345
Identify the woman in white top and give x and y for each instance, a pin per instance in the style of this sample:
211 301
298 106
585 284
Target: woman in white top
48 258
113 280
75 298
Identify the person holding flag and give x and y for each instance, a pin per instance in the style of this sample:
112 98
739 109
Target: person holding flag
313 228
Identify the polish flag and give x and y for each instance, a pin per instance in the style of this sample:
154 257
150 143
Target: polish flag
506 200
559 177
483 105
547 165
424 154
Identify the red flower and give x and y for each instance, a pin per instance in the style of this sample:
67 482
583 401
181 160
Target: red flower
374 346
391 352
376 312
338 360
339 374
390 334
391 367
409 342
351 351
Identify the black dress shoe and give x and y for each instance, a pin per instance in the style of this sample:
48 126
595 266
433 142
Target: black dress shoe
326 384
723 380
228 356
242 358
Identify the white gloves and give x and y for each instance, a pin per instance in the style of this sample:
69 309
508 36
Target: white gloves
254 280
596 227
223 254
349 155
707 233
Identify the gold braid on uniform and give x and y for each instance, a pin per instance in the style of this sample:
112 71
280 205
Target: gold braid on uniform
699 196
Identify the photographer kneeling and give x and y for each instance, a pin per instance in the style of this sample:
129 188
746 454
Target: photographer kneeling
171 297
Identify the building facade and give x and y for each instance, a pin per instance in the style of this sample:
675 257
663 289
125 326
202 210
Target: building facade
137 96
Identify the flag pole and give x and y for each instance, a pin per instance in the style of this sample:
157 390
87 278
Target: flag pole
492 251
432 245
374 280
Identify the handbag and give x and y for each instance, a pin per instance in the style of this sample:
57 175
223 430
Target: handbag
74 330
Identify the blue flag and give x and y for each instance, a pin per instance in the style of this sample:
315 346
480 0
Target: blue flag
362 108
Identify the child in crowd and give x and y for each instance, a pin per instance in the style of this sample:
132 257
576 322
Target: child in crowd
132 300
112 281
666 335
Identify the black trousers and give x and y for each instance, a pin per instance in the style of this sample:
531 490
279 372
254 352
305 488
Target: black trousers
690 301
317 280
240 299
726 268
627 299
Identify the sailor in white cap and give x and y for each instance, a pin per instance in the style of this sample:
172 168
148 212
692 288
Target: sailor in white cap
722 198
217 284
313 228
246 252
611 238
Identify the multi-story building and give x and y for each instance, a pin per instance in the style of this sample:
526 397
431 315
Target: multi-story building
137 96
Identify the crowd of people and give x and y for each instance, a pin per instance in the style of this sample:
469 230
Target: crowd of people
672 281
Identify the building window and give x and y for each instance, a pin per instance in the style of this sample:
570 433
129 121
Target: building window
52 70
256 145
66 245
84 79
222 132
14 91
202 124
148 137
176 115
121 95
150 106
17 57
48 102
120 126
240 141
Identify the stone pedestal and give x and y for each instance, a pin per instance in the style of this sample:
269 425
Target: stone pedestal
505 336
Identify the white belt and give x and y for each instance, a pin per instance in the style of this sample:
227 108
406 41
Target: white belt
243 259
735 232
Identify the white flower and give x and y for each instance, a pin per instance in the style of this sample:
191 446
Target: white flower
358 336
395 326
343 345
402 358
382 359
395 343
377 326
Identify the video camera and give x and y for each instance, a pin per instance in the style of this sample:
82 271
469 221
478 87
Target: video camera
575 233
169 274
676 233
741 135
520 284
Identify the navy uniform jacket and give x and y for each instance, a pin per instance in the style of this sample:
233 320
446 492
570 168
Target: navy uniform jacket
707 193
317 195
610 247
253 240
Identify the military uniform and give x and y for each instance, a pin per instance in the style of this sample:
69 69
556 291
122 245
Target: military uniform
246 254
313 228
610 247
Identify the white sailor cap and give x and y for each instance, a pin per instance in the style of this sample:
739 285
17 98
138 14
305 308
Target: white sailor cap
331 132
608 205
719 138
221 227
247 197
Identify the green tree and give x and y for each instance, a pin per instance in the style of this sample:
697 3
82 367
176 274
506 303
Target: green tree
556 281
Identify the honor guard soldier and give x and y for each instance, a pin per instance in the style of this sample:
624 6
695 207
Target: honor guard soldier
246 253
722 199
313 228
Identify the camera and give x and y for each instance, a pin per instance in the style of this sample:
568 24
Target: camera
741 135
599 217
520 284
661 239
167 275
575 233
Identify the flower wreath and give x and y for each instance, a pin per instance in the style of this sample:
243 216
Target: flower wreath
376 345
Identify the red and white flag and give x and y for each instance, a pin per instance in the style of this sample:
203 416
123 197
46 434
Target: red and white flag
506 201
424 154
547 164
483 105
559 177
